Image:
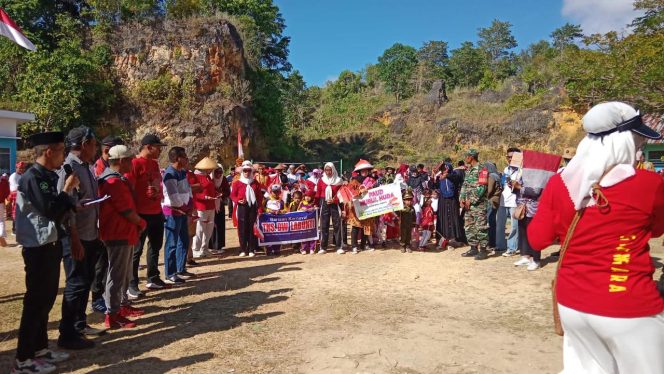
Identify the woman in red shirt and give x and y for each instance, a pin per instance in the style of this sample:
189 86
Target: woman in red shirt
609 306
247 197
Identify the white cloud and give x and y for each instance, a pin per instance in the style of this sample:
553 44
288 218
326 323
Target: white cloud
600 16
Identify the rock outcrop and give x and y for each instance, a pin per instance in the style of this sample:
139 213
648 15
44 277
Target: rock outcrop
185 80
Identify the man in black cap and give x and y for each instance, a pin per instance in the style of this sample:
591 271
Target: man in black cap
80 272
106 144
145 176
40 214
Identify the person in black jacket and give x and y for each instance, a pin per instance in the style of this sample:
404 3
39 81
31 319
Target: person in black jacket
40 228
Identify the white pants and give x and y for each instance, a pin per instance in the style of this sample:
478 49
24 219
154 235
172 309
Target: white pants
603 345
204 228
3 216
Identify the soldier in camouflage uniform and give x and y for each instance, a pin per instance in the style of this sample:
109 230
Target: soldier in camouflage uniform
473 198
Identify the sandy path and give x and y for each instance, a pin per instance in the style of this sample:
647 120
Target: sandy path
380 312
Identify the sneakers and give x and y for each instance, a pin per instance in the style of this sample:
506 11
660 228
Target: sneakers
252 254
321 251
403 249
242 254
311 252
509 253
216 252
355 250
52 357
116 321
303 252
533 265
522 262
32 367
201 254
192 263
98 306
408 250
186 275
175 280
130 311
153 286
134 293
472 252
92 331
75 344
370 249
341 251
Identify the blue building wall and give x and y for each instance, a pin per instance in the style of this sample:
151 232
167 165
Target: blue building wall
11 145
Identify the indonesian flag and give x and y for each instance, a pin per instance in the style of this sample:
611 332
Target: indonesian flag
538 168
240 152
10 30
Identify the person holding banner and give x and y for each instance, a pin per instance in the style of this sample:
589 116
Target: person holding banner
274 204
326 193
308 204
606 211
247 197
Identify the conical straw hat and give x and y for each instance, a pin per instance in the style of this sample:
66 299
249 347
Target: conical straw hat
206 164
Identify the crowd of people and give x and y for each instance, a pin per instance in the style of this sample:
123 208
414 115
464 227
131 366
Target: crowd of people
94 215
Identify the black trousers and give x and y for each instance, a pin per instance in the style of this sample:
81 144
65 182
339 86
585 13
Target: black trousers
154 233
230 208
330 211
218 239
246 217
524 246
101 273
355 233
42 275
77 289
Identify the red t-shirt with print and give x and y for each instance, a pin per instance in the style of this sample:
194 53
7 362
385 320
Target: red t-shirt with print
145 172
607 269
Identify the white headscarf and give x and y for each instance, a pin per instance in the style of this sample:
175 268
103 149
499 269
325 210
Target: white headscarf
330 181
609 158
249 195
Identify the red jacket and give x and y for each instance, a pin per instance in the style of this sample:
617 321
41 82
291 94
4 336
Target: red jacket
320 191
208 190
113 225
607 269
146 172
4 190
239 190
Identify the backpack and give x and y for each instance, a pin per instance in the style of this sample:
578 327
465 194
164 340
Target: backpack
483 178
447 188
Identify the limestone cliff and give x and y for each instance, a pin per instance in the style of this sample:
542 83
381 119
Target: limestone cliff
186 81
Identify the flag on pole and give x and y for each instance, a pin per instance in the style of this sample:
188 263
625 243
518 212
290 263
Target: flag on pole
10 30
240 152
538 167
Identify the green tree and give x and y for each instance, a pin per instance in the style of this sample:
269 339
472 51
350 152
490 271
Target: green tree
347 83
433 64
396 67
653 19
496 40
565 36
467 65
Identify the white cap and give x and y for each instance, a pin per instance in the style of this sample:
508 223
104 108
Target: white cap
118 152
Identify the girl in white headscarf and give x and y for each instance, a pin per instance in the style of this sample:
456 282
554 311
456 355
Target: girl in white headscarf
247 197
605 212
326 193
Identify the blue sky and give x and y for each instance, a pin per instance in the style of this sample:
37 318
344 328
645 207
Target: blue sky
328 36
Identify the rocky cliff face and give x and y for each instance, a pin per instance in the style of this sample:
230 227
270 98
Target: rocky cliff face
185 81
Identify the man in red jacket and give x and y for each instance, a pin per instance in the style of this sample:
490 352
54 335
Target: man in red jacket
204 203
119 227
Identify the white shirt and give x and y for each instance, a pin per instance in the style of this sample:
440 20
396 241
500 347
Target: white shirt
508 198
13 181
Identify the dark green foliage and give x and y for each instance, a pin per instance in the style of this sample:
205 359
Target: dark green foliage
396 67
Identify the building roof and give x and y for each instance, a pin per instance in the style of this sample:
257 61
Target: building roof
656 122
20 117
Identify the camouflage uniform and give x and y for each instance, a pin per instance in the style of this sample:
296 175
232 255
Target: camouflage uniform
477 228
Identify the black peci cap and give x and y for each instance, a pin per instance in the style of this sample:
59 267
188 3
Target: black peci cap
151 139
45 138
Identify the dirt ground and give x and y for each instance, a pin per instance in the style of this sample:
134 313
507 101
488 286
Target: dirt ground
373 312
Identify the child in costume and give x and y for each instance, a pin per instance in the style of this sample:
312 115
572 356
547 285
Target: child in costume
306 205
427 224
407 221
274 205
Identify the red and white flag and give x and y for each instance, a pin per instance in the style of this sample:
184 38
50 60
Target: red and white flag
538 167
10 30
240 152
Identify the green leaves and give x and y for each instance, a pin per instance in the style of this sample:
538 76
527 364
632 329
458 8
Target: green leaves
396 67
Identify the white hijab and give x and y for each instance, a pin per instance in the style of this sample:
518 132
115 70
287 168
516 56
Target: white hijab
330 181
249 194
609 158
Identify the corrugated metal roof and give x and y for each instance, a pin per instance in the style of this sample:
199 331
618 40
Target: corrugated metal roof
656 122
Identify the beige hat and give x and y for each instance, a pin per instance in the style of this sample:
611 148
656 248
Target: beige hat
206 164
118 152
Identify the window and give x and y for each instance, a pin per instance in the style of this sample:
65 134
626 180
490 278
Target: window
4 160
